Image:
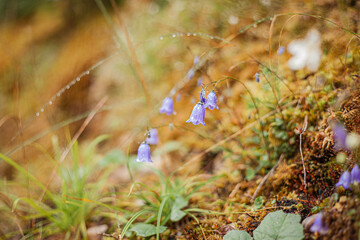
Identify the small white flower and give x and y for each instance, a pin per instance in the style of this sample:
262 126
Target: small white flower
233 20
307 52
352 140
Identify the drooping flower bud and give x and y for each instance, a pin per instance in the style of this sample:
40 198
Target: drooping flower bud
191 73
196 60
257 77
143 154
198 114
280 50
318 225
344 180
153 137
199 82
167 106
211 101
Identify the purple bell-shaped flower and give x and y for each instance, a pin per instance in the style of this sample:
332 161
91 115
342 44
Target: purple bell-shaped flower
143 154
153 137
318 225
167 106
211 101
340 137
344 180
355 174
198 114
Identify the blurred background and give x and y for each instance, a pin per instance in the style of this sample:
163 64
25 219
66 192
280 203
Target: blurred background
45 45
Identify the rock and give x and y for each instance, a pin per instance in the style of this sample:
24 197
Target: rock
95 232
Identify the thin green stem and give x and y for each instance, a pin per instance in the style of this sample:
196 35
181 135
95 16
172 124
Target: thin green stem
128 164
276 99
274 73
158 221
322 18
256 107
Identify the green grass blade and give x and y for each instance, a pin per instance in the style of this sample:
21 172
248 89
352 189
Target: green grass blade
132 219
26 173
158 223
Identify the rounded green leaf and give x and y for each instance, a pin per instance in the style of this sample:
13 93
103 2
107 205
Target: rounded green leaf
146 230
280 226
237 235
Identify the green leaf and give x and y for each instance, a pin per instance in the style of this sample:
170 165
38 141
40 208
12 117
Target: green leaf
146 230
180 202
176 213
250 174
237 235
280 226
258 203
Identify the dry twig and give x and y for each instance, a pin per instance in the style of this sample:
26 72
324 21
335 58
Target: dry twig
269 174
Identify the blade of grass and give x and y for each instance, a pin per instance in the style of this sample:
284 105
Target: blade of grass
132 52
158 221
74 139
131 220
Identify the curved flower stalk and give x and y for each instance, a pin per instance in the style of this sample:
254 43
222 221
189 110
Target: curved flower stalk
306 52
198 114
344 181
153 137
203 96
318 225
143 154
266 143
211 101
167 106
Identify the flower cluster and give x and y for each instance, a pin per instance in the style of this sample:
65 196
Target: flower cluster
198 113
346 179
